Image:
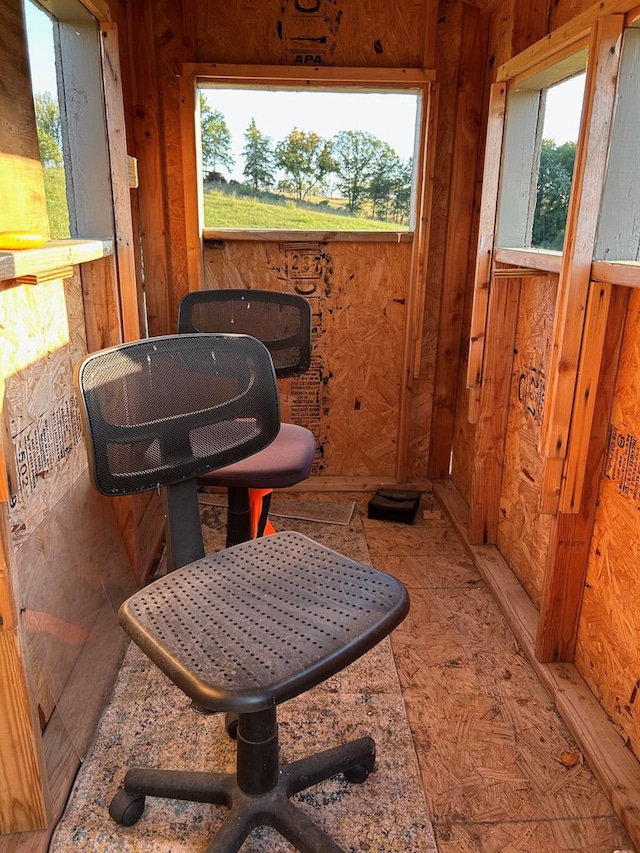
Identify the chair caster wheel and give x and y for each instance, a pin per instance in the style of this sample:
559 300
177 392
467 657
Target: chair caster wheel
360 773
126 809
231 724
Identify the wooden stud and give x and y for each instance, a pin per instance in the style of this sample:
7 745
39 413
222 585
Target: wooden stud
502 318
585 398
117 142
584 206
192 182
570 539
416 286
461 192
147 132
488 210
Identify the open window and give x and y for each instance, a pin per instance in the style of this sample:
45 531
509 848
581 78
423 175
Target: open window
66 72
542 121
323 157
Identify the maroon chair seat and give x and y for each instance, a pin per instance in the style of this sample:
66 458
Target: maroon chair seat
282 322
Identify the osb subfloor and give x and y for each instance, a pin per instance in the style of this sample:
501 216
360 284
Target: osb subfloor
501 771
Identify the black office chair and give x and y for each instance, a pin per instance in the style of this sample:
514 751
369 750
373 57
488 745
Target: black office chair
282 321
252 626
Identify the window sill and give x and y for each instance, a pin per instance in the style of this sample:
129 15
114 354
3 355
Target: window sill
283 236
533 259
31 264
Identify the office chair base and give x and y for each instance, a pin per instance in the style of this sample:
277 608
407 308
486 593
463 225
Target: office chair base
355 760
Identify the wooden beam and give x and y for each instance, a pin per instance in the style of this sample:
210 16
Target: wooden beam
192 183
571 532
402 78
117 142
557 42
536 259
626 273
101 304
582 220
56 254
488 211
416 284
585 399
461 191
613 763
282 235
147 132
502 319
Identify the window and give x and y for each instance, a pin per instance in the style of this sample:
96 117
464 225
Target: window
541 131
66 72
618 237
309 160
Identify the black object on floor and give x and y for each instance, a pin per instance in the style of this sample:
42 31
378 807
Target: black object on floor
394 505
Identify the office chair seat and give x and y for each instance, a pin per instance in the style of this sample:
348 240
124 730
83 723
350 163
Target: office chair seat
243 631
282 321
285 462
250 627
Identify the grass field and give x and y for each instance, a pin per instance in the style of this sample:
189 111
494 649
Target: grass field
222 210
55 192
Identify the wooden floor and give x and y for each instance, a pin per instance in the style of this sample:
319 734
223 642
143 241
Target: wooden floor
501 771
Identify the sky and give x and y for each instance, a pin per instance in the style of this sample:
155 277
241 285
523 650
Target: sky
391 117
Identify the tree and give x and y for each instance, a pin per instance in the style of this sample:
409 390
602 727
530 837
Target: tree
258 158
354 154
49 129
555 173
306 161
389 188
215 138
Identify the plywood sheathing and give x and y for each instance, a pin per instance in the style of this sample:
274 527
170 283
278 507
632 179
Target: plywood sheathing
330 32
357 291
607 649
523 532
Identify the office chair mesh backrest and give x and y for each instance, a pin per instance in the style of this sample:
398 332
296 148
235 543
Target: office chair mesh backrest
165 409
282 321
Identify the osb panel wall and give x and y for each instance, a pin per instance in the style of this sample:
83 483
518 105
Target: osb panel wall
349 398
523 533
608 652
314 32
67 580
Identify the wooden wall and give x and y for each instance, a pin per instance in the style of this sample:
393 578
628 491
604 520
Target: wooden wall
580 573
607 651
448 36
350 398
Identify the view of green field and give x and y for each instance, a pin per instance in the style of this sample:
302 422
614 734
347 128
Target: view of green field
223 210
55 192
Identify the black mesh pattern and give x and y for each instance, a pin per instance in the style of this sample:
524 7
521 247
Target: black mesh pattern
166 409
282 321
263 621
